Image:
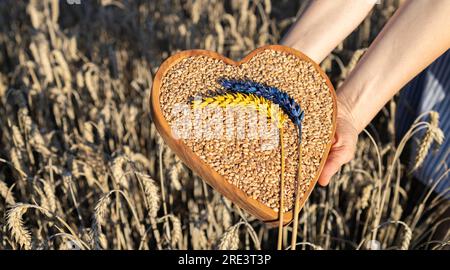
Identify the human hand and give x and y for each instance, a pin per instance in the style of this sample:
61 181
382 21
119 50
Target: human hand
344 143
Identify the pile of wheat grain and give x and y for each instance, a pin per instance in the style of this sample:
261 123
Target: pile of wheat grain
245 162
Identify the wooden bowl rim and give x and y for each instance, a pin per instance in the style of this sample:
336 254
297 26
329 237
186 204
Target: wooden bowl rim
193 161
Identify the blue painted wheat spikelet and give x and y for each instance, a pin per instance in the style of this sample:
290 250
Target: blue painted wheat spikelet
286 103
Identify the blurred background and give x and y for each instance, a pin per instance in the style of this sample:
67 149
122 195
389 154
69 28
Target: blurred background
82 166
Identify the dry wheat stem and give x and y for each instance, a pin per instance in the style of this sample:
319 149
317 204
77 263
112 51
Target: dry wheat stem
382 197
372 140
315 247
161 181
281 210
296 211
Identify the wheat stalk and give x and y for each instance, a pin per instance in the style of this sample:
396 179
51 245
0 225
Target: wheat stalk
281 210
296 212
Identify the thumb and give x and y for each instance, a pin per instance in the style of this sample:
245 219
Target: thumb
337 157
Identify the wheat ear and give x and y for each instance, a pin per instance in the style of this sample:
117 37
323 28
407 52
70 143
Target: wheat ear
261 104
100 211
433 134
6 193
230 239
16 225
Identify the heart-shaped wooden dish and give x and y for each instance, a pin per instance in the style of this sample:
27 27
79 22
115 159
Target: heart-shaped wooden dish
240 169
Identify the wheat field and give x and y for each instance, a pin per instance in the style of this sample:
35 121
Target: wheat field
83 167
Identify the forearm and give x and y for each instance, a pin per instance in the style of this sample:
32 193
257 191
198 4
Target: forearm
324 24
416 35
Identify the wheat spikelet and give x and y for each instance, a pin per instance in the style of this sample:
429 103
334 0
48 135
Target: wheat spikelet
100 211
16 157
88 172
175 175
363 201
91 79
433 134
88 133
6 193
406 237
261 104
35 137
176 233
50 195
397 212
17 137
224 214
43 199
273 94
230 239
198 238
101 208
151 194
15 224
117 168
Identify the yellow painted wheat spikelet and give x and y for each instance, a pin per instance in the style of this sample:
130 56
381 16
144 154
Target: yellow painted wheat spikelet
261 104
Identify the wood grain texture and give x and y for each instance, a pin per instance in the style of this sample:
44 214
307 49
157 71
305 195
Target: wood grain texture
194 162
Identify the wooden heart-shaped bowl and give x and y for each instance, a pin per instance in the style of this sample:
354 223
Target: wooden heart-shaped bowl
247 170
